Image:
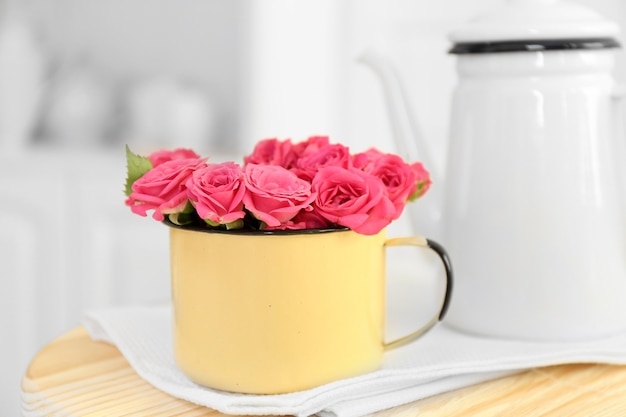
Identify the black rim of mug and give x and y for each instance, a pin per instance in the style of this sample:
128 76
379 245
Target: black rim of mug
247 232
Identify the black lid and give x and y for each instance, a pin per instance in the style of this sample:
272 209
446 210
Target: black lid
532 45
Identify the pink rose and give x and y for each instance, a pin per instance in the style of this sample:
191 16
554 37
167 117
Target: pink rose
159 157
352 198
398 176
163 188
273 152
422 179
305 219
365 159
216 191
330 155
275 195
310 219
311 145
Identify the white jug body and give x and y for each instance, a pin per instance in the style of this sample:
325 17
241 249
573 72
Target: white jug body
533 214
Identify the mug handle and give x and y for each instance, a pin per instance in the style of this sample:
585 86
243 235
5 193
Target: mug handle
422 242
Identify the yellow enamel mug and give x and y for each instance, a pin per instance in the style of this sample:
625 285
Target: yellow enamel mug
276 312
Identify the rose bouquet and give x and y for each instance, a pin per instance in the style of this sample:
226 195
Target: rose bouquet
282 185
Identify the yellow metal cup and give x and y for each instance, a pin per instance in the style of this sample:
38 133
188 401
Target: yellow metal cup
277 312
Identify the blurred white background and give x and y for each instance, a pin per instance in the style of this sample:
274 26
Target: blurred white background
81 78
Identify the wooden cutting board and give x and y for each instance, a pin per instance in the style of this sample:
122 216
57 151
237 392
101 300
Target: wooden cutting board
76 376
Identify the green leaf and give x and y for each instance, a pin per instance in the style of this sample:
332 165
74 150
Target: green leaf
181 219
189 208
136 167
211 223
237 224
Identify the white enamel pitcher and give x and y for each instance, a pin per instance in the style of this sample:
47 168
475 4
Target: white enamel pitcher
532 208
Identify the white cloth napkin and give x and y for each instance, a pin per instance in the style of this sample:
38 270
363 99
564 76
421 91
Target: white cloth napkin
442 360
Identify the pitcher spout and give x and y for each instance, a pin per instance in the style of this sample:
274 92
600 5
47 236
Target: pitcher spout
408 138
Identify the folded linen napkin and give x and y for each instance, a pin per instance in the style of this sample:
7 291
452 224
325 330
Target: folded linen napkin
442 360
